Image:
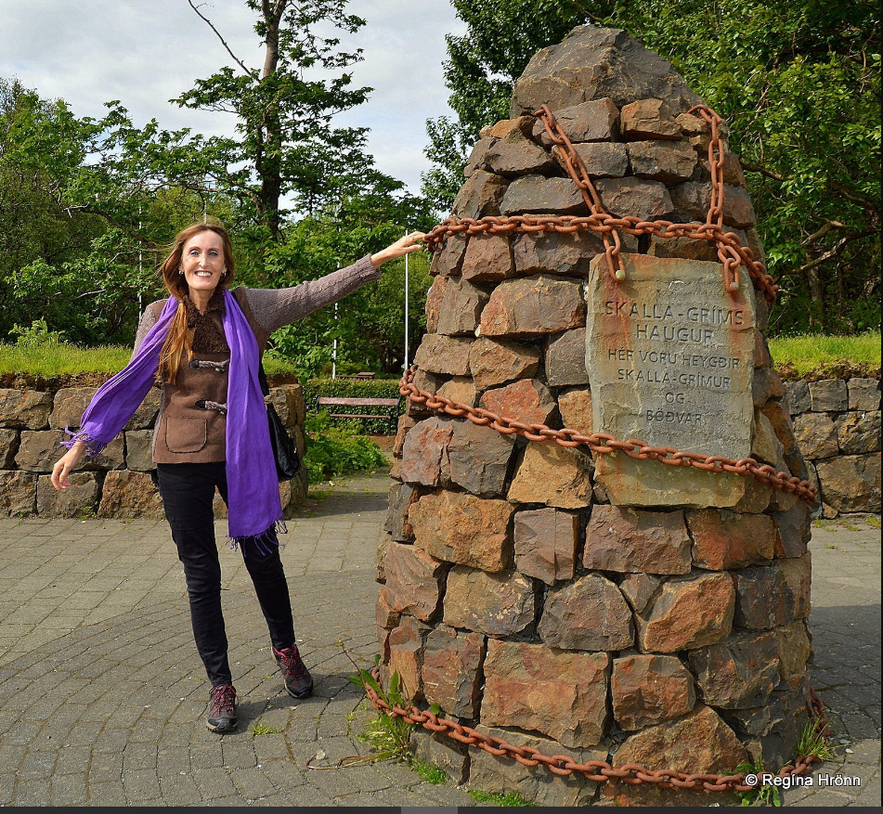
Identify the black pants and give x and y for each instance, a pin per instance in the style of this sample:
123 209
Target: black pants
187 493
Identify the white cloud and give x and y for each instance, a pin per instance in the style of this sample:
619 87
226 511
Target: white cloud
145 52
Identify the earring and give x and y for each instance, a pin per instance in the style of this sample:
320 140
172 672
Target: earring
180 271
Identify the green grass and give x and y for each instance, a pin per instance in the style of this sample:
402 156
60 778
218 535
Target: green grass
50 359
512 798
806 353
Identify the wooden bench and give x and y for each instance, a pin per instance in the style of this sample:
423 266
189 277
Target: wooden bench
390 414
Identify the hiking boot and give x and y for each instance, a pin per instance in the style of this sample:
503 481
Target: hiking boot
298 680
222 709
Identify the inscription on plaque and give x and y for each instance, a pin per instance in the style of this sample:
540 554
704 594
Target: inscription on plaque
670 358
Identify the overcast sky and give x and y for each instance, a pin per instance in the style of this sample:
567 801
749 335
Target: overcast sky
145 52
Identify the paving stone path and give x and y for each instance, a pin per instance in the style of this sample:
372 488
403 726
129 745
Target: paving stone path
102 696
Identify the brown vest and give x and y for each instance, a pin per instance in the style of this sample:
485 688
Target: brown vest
189 429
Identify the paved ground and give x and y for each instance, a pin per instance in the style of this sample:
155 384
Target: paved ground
102 697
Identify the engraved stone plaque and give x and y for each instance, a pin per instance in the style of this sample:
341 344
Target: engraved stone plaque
670 358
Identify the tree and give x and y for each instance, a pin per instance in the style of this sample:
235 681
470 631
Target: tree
797 80
287 144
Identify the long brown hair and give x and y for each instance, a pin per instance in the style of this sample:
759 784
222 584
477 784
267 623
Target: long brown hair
180 337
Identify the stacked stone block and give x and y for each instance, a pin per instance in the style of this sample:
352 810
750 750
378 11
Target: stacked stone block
514 594
837 426
118 482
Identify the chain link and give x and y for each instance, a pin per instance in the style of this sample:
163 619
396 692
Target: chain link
604 443
729 249
598 770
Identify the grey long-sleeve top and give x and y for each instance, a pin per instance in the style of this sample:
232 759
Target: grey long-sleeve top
191 427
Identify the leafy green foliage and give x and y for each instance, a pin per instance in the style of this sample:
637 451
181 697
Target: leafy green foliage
762 794
389 735
332 451
799 85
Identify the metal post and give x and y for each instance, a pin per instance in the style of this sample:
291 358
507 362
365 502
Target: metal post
406 311
334 347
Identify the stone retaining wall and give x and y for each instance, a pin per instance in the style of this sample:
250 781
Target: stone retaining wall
837 426
115 484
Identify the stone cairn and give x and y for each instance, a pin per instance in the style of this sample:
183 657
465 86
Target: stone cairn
608 609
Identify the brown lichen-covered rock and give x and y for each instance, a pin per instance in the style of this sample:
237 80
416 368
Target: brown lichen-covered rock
649 118
18 494
460 389
139 450
575 407
630 540
639 589
424 451
794 649
545 544
481 195
539 195
793 530
8 448
647 200
684 247
565 359
460 309
514 155
491 774
401 498
414 580
406 644
495 362
851 483
603 159
448 355
68 406
864 394
478 459
763 598
550 474
587 614
488 259
816 434
580 69
24 409
555 253
532 306
738 673
597 120
723 540
562 695
798 576
698 742
829 395
129 494
688 612
527 400
451 670
80 498
668 162
448 260
462 528
647 690
858 433
499 604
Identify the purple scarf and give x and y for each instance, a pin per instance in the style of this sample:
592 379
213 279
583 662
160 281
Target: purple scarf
252 486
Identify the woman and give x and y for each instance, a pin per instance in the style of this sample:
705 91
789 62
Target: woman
205 343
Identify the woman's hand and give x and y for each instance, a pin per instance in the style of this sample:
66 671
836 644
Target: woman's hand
409 243
66 464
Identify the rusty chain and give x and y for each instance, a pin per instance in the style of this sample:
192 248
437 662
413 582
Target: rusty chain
729 249
598 770
732 254
604 443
